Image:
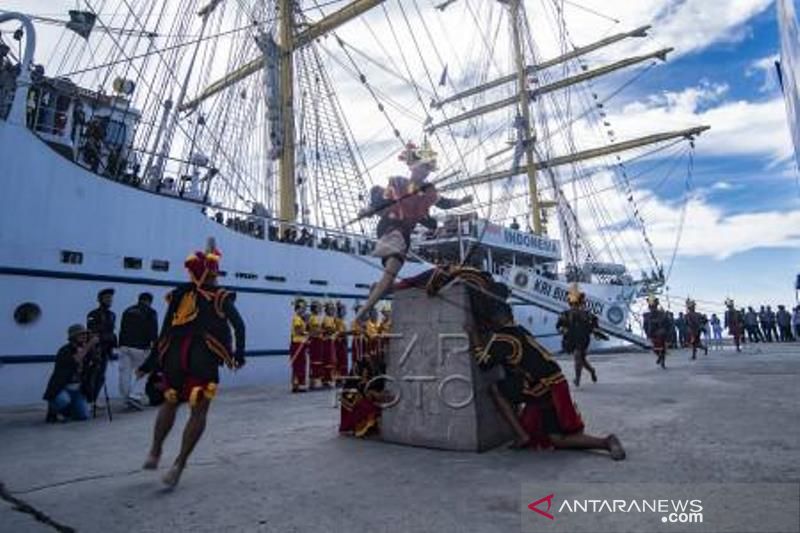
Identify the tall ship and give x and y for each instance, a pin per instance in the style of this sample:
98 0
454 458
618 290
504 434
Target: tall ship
131 131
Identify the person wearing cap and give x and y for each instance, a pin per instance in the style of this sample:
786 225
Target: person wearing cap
101 322
298 347
656 325
137 334
577 325
66 393
196 339
695 324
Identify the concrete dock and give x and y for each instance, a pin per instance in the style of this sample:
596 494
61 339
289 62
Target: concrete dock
272 461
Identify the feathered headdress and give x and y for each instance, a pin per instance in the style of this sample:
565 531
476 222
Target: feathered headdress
652 300
575 296
204 266
690 304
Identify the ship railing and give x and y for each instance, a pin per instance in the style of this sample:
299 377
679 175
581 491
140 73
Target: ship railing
265 227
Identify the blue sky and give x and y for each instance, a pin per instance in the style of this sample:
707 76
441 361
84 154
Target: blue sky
756 183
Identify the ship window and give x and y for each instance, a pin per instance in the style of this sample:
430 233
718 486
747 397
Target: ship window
27 313
279 279
159 265
222 273
318 282
246 275
71 258
362 286
132 263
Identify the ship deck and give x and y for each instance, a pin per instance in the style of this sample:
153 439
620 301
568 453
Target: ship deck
271 461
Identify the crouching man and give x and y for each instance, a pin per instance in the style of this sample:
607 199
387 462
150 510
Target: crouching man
533 381
66 391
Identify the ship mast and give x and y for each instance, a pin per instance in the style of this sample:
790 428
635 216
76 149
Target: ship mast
287 181
524 104
291 41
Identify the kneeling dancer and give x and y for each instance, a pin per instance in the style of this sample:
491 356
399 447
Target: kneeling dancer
532 379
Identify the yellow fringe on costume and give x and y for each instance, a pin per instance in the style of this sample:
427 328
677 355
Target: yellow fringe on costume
171 395
209 392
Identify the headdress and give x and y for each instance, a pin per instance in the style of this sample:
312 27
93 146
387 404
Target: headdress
652 300
690 304
729 302
575 296
298 302
204 266
413 154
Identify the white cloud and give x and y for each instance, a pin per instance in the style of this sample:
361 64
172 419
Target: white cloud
738 127
765 67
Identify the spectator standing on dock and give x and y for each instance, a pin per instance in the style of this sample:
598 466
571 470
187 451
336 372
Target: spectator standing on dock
683 331
765 333
101 322
784 320
137 334
716 330
771 323
796 322
66 393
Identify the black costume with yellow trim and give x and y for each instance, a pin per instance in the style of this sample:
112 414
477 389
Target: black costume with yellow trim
531 377
196 339
577 326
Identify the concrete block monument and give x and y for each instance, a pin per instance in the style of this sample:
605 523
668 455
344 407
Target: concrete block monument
441 397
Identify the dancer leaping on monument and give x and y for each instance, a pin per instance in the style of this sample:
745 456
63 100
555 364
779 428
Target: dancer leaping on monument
401 205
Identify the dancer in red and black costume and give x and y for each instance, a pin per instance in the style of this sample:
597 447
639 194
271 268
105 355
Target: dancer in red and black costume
195 341
549 418
656 325
734 322
401 205
577 325
695 324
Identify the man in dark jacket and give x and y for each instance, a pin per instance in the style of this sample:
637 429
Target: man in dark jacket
65 393
784 319
137 335
102 323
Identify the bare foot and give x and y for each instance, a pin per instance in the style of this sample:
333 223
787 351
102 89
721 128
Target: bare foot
172 476
615 448
151 463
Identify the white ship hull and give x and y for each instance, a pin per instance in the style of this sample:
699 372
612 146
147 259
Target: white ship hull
50 205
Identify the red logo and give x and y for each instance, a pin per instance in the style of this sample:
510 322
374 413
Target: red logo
546 514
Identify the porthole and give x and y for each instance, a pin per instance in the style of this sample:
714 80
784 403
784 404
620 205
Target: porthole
27 313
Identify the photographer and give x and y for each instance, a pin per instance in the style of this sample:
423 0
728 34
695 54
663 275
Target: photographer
101 322
65 394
